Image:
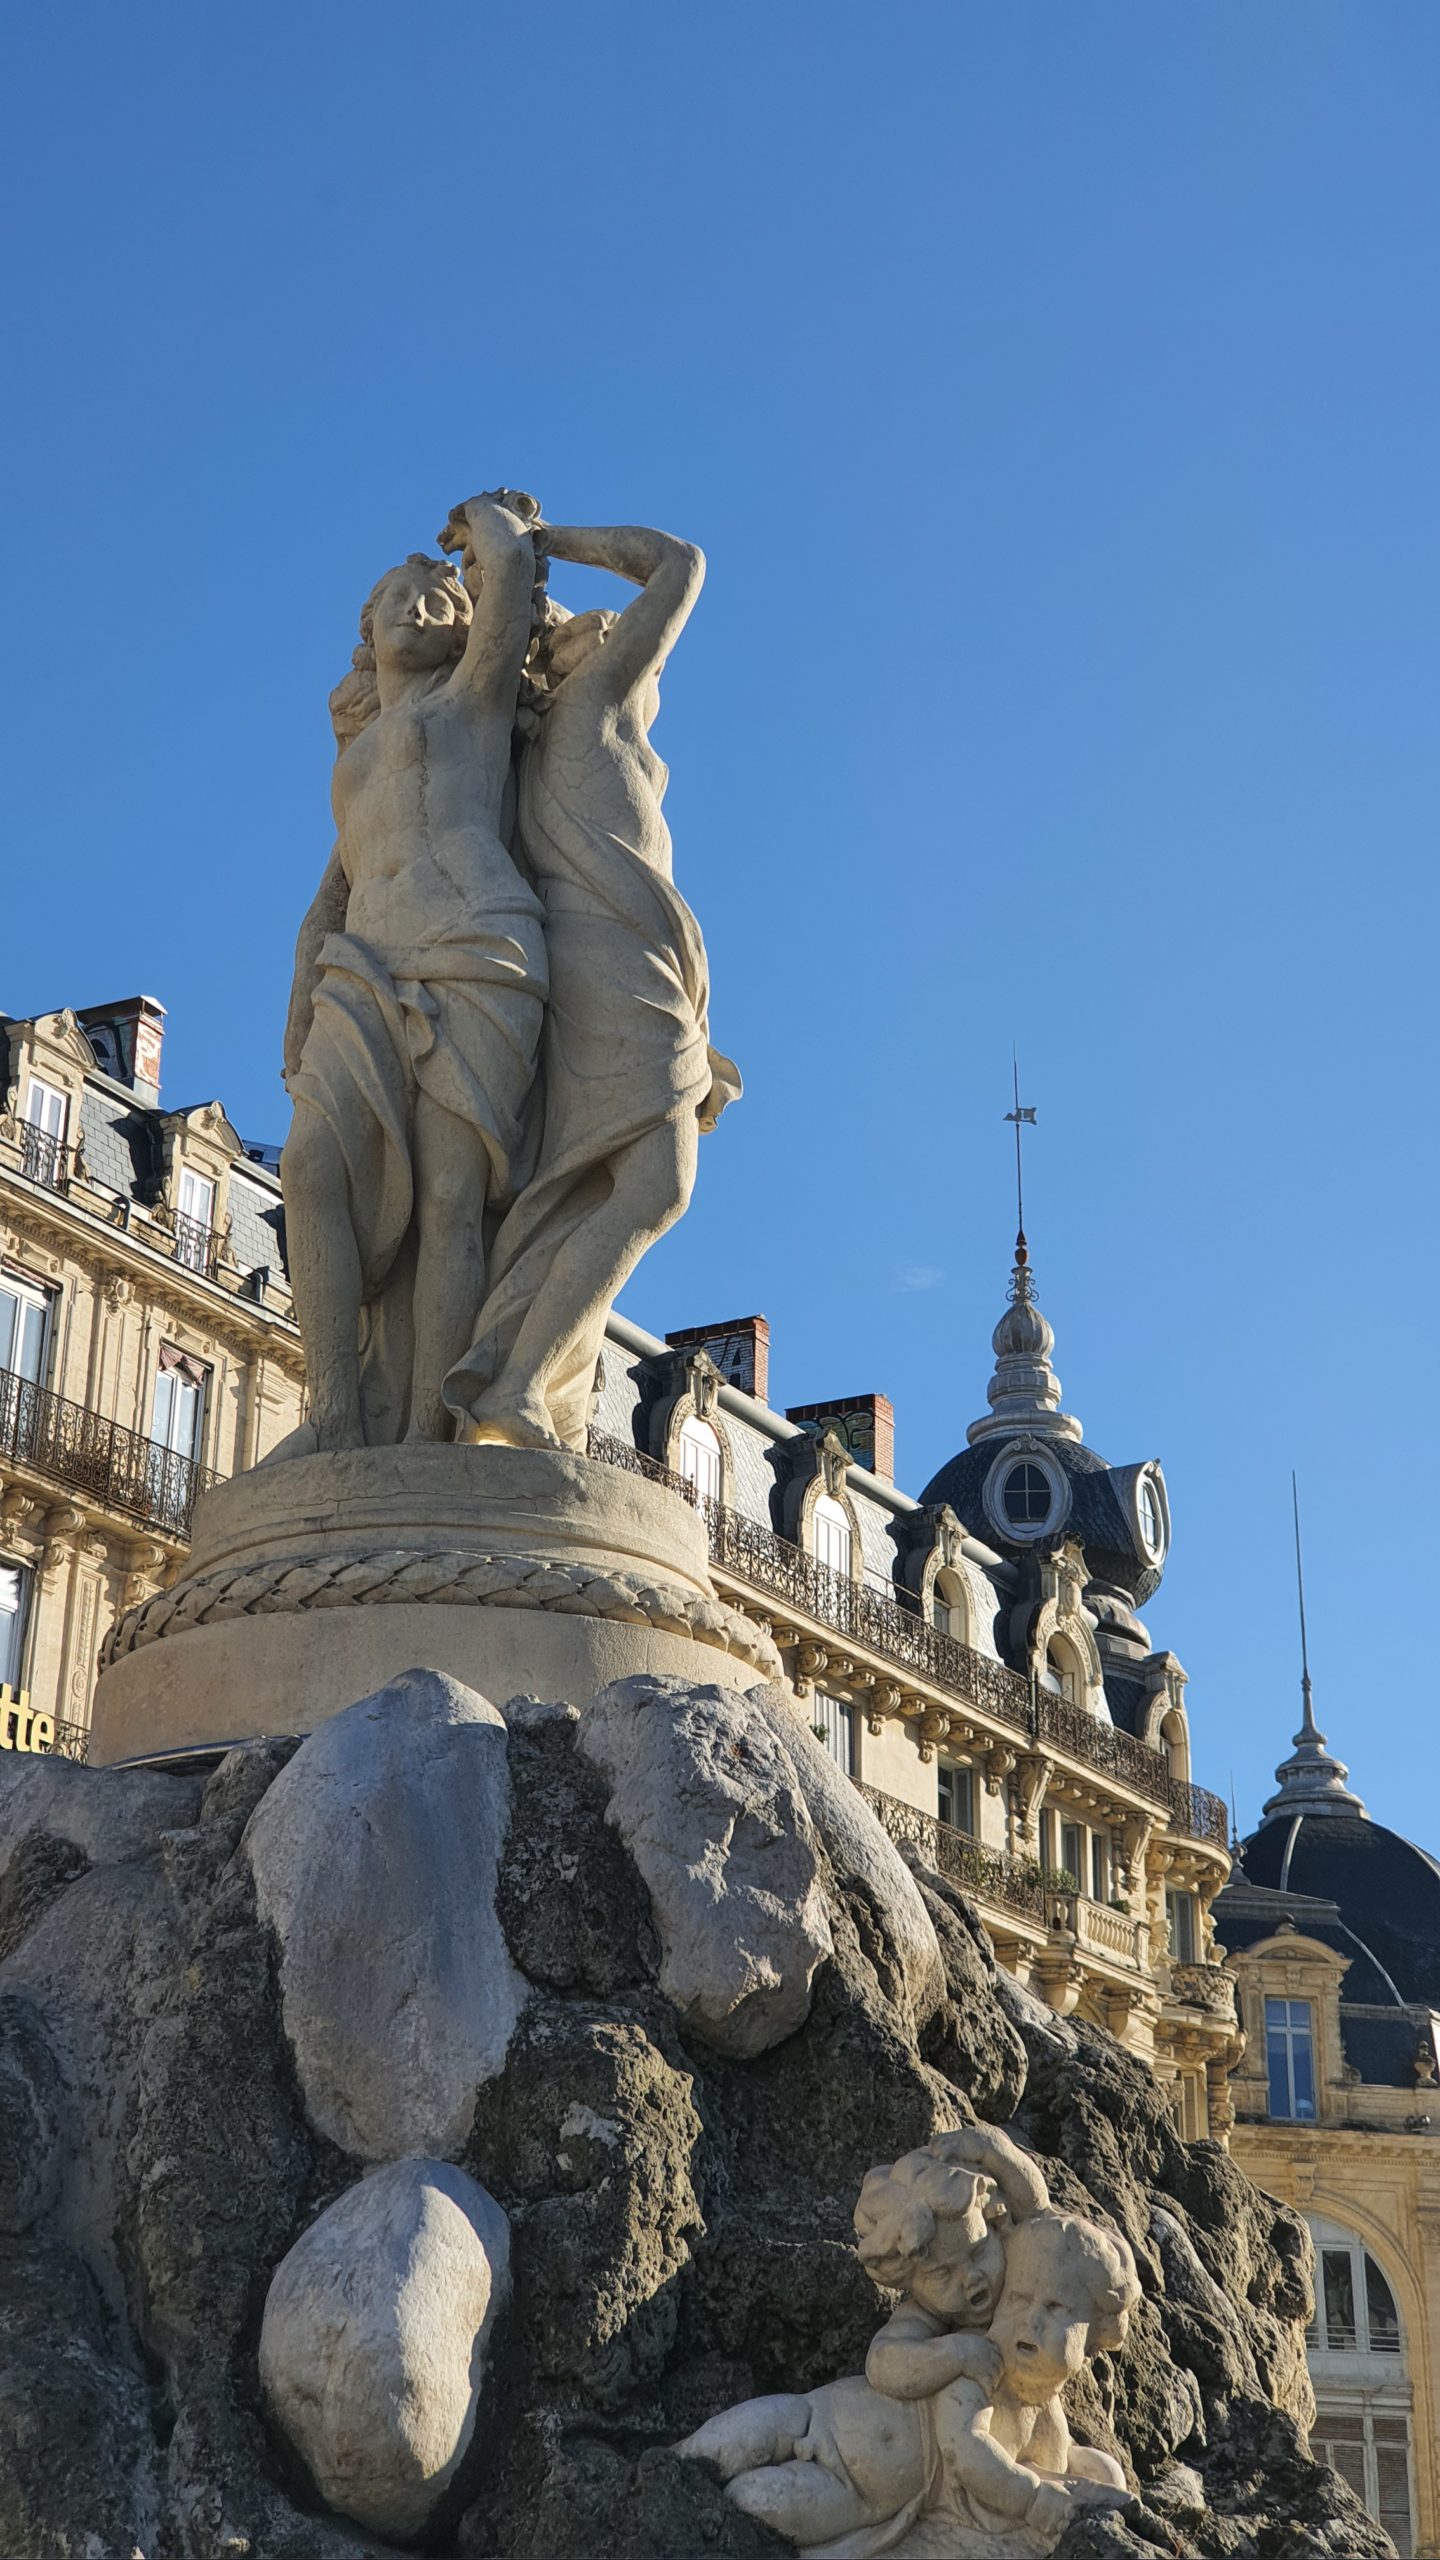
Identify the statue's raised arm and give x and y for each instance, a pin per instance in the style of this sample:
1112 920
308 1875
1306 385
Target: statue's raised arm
630 1078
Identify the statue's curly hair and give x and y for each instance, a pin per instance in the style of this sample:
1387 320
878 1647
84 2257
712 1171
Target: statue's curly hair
901 2208
355 701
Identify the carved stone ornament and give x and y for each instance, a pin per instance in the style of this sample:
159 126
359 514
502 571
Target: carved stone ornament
953 2444
399 1574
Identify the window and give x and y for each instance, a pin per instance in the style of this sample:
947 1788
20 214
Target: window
1370 2448
1026 1496
1072 1852
14 1597
1047 1841
1059 1675
46 1108
195 1224
1180 1914
1290 2059
957 1795
42 1138
947 1607
24 1315
1152 1522
832 1542
1355 2310
700 1457
179 1402
1099 1867
835 1727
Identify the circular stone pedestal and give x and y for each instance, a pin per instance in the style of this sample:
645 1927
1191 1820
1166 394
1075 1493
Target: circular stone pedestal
313 1581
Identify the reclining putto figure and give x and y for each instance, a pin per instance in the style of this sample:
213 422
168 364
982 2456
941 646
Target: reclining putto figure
953 2445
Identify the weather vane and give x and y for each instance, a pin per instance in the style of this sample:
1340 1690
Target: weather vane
1022 1117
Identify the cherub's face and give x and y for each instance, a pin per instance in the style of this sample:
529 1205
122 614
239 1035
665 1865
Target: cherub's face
415 616
1040 2330
960 2276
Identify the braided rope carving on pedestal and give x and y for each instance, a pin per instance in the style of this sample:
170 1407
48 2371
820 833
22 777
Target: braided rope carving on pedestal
284 1584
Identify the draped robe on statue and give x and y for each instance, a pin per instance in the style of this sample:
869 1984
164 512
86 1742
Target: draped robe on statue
418 995
625 1044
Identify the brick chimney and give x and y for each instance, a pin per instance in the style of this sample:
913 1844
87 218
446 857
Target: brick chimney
739 1348
126 1037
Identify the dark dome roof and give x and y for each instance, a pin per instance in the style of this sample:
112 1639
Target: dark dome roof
1096 1515
1387 1891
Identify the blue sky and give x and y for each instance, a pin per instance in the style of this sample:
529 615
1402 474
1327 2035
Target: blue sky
1054 390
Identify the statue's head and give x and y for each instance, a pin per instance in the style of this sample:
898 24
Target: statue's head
416 616
1069 2291
563 641
935 2226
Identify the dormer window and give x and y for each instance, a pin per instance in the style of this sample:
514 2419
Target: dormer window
1026 1496
831 1536
700 1459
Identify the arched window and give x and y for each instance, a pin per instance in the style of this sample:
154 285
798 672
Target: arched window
700 1460
1026 1496
831 1540
948 1614
1060 1675
1357 2364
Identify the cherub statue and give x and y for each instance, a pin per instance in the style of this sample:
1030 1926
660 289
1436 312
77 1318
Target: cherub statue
953 2443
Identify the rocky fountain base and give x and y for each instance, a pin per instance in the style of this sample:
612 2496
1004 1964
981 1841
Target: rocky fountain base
410 2134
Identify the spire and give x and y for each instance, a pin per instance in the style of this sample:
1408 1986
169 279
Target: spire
1024 1393
1312 1780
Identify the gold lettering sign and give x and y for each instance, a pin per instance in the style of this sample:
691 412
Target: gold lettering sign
21 1728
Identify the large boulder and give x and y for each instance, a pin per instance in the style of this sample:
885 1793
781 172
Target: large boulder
375 1854
706 1800
373 2343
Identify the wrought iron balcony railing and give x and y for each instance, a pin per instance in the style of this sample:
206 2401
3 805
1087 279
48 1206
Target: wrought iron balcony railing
44 1158
197 1246
1199 1814
118 1468
1016 1884
754 1553
776 1567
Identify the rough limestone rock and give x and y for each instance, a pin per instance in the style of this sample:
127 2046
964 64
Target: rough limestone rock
680 2217
706 1800
30 2105
399 1807
373 2345
864 1860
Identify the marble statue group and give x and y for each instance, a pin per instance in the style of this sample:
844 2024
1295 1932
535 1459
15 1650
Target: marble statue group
497 1045
953 2444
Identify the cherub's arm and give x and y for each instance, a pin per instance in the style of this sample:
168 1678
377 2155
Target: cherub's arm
671 573
326 915
980 2465
907 2361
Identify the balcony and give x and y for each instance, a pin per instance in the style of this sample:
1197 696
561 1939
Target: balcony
197 1246
770 1564
1101 1930
1015 1884
1204 1986
44 1159
116 1468
1199 1814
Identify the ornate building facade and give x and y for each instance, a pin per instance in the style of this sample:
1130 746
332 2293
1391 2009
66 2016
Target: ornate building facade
147 1342
1333 1929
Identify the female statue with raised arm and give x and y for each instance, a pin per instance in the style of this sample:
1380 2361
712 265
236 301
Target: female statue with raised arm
419 988
630 1079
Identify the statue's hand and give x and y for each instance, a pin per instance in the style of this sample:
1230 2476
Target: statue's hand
474 524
